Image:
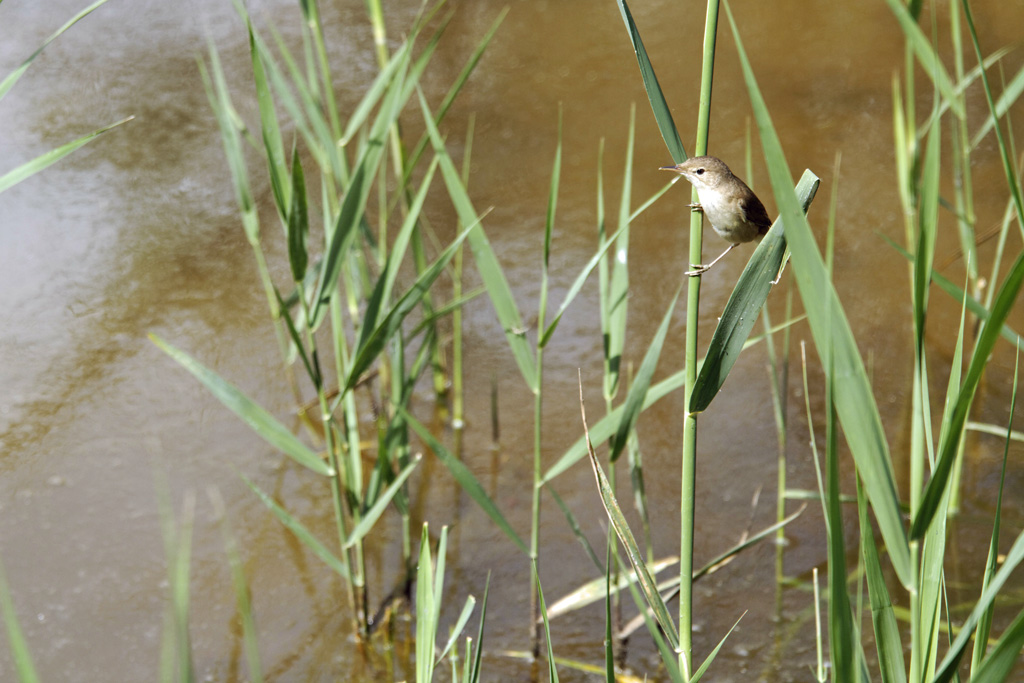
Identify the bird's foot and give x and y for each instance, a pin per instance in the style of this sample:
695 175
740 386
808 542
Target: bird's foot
698 269
696 207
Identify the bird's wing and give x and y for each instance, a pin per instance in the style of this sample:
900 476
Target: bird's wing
756 214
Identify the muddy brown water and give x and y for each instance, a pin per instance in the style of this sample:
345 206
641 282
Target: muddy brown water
138 233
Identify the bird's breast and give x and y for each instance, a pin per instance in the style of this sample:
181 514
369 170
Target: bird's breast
727 217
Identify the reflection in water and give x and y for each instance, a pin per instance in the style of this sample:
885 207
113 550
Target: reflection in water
138 232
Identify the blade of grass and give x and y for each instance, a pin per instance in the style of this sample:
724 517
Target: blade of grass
659 106
702 669
298 221
887 633
606 426
460 623
373 338
638 390
975 307
745 302
305 536
13 77
469 483
615 289
354 204
487 262
1001 308
269 127
254 415
578 283
858 412
609 604
666 652
841 629
931 64
228 121
457 86
576 530
1004 656
473 670
20 654
30 168
621 526
373 94
427 607
1011 93
948 668
370 517
552 668
985 622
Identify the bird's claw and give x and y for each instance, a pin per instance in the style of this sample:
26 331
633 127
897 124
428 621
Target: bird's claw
698 269
696 207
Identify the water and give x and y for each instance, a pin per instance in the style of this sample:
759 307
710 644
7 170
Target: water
138 233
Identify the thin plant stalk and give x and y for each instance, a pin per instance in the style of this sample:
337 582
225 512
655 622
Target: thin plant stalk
687 494
538 401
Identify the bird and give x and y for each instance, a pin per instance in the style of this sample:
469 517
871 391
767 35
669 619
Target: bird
735 212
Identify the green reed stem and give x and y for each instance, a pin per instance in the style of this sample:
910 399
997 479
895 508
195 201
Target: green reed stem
348 476
458 410
535 507
687 493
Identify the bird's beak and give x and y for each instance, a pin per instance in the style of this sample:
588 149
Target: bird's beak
669 168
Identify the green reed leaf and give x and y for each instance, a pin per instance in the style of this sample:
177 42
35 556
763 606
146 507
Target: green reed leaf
472 671
985 622
928 216
465 478
373 338
228 122
645 578
638 390
1003 658
931 63
20 654
460 624
382 289
30 168
1004 303
487 262
373 94
370 517
456 87
269 127
1011 93
606 426
887 632
13 77
948 668
706 664
976 308
298 221
662 113
428 603
262 422
552 669
304 535
858 412
744 305
615 285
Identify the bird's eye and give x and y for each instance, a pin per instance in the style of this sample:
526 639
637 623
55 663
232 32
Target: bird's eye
700 171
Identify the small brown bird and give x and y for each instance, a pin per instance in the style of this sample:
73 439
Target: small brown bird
735 212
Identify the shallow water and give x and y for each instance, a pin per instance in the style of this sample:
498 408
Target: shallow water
138 233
